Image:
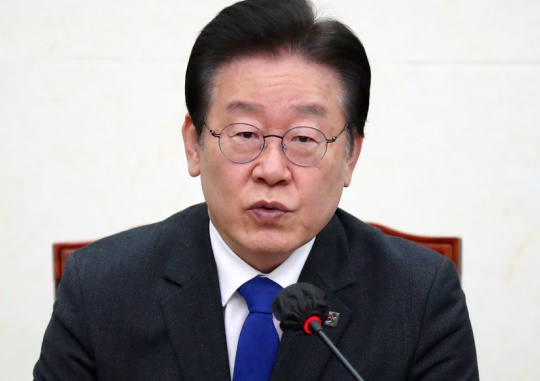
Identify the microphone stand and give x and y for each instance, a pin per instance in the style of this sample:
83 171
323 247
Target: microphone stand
315 326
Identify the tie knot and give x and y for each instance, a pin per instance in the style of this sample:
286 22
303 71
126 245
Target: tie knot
259 294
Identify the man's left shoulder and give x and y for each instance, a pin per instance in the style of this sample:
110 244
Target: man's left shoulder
369 246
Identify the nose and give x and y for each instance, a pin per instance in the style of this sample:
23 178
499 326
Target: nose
272 166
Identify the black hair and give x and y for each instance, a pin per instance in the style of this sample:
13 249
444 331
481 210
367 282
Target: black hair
274 27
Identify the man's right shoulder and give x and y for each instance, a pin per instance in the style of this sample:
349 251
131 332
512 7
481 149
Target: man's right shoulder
143 244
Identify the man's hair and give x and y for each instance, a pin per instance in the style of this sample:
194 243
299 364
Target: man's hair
274 28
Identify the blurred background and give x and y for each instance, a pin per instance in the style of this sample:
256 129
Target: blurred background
91 105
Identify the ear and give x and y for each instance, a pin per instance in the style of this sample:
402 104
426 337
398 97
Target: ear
351 161
191 146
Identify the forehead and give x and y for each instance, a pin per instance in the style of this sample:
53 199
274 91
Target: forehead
288 83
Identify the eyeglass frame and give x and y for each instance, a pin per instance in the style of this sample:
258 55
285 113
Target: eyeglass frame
283 147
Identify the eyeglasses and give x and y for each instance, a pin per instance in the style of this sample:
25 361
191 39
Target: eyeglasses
242 143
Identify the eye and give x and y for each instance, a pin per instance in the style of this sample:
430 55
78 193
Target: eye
242 133
303 139
247 135
303 136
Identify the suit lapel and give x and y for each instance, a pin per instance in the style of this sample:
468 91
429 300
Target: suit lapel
194 315
192 310
304 357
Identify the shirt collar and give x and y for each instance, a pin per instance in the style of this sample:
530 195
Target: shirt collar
234 272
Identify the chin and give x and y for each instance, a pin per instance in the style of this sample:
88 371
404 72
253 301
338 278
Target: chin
278 246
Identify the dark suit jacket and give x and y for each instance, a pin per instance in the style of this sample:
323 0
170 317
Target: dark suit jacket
145 305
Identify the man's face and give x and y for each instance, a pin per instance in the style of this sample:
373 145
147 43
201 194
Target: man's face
267 208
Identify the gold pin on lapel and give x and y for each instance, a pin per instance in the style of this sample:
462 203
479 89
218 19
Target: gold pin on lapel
332 319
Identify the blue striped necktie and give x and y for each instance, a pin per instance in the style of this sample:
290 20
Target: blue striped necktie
258 342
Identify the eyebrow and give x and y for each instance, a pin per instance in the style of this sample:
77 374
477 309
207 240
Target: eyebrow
251 108
254 108
310 110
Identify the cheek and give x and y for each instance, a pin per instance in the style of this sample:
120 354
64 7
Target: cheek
212 180
221 180
322 190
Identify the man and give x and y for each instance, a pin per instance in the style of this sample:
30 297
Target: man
276 108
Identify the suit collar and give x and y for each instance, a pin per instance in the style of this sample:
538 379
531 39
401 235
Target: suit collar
192 308
329 268
189 251
329 263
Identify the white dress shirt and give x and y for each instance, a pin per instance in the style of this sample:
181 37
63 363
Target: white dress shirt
234 272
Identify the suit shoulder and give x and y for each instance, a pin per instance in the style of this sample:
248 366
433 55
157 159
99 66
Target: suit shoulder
371 247
141 246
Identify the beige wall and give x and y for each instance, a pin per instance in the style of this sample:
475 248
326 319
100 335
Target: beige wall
91 103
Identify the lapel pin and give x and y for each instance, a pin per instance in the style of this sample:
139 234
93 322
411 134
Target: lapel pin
332 319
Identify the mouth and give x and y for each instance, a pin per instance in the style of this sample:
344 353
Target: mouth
268 212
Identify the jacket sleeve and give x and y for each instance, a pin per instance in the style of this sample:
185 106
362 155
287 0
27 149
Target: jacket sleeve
66 352
446 349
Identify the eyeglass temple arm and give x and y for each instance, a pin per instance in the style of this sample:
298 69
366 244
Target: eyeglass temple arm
212 132
334 138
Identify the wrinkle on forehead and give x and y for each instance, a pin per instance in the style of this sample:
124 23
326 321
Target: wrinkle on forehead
284 55
316 109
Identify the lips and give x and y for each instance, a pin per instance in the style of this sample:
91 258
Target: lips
266 211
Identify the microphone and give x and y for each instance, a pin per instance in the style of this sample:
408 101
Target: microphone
301 308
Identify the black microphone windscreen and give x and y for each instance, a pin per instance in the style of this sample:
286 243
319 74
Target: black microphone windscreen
298 302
